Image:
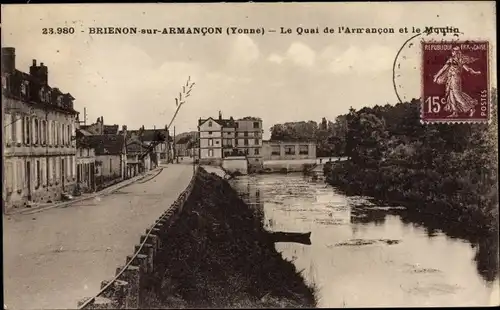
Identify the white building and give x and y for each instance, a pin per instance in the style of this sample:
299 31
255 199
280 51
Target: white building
210 140
220 138
38 136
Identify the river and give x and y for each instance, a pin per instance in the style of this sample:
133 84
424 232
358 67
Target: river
364 254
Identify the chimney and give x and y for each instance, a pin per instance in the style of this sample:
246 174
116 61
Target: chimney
8 59
39 72
220 115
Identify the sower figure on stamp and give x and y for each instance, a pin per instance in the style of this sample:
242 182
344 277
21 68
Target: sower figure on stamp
451 75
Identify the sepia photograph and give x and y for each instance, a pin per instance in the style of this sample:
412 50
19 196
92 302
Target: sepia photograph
250 155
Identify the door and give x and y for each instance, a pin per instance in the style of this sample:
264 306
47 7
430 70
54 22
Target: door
28 178
63 176
92 176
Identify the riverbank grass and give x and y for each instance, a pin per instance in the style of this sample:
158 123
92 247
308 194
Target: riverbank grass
219 255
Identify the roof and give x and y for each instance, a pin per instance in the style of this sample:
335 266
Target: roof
17 76
223 122
83 132
110 129
184 140
81 138
250 118
106 144
147 134
136 146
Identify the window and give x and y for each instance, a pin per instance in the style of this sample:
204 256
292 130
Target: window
78 172
256 152
63 134
217 142
246 142
4 82
209 132
38 174
24 88
49 178
18 129
289 149
235 141
256 142
275 150
9 177
37 131
210 142
245 133
9 125
41 94
60 132
19 175
52 128
303 149
255 124
45 132
210 153
55 133
69 135
55 168
27 131
210 124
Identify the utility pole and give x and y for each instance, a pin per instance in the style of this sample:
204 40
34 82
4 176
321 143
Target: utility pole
174 150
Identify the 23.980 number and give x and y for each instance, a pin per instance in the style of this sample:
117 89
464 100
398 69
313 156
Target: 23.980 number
59 30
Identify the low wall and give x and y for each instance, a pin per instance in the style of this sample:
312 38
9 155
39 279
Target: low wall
288 165
235 164
123 291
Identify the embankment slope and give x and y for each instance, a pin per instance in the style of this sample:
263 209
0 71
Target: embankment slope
217 254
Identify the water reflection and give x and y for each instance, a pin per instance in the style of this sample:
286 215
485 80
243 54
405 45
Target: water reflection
365 253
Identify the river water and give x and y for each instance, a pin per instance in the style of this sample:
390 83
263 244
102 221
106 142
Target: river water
363 254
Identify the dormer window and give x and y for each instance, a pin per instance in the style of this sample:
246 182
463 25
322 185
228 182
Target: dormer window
48 97
41 95
59 100
4 82
24 88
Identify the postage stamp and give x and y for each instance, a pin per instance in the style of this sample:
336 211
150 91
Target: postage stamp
455 82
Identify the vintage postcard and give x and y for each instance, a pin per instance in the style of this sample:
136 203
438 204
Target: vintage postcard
247 155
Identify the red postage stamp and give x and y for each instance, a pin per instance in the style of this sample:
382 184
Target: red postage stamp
455 82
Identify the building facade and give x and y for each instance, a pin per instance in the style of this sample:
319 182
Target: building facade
210 141
138 159
85 163
110 159
249 140
220 138
281 150
39 146
160 137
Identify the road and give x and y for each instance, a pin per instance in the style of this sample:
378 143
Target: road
55 258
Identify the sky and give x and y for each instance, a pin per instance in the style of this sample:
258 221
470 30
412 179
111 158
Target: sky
133 79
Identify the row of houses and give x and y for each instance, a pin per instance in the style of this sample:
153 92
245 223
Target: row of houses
220 138
48 152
